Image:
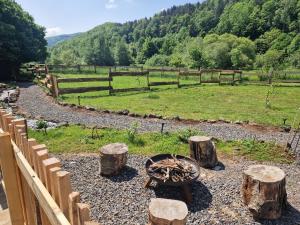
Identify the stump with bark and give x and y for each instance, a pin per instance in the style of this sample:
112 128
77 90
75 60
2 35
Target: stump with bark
203 150
263 191
167 212
113 158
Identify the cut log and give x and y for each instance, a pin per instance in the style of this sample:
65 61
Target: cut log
203 150
167 212
263 191
113 158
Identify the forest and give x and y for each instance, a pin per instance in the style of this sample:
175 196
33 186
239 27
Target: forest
239 34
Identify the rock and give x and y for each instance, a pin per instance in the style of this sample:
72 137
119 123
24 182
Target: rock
123 112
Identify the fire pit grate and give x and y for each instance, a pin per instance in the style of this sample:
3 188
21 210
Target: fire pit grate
172 170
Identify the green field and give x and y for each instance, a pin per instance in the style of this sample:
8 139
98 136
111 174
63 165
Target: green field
75 139
242 102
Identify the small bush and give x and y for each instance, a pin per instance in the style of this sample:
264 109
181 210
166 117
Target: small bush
153 96
132 132
42 125
184 135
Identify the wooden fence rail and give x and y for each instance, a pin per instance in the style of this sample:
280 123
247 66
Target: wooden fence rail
38 191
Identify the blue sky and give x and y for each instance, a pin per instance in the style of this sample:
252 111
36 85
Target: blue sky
70 16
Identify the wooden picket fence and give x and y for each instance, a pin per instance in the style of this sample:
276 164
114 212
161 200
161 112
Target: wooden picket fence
38 190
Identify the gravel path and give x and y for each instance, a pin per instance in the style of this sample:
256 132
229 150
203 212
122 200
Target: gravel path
34 103
122 199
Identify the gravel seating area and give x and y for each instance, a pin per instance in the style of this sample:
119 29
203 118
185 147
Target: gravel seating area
34 103
122 199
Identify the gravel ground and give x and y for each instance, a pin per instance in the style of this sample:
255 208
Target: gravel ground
122 199
34 103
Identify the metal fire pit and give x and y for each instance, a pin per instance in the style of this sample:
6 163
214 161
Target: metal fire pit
183 184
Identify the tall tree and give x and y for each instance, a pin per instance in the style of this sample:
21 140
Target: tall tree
21 40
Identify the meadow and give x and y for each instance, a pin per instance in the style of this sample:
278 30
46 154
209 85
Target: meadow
77 139
262 104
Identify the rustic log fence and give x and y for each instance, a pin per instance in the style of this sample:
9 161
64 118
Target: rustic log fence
38 190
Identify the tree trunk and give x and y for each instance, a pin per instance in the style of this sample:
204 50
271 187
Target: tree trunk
167 212
263 191
113 158
203 150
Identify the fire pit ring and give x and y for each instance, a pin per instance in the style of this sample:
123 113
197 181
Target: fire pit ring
190 163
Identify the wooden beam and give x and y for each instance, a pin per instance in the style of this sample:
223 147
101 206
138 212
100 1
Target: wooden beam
129 89
10 171
81 79
129 73
47 165
83 213
64 190
82 89
163 83
54 183
52 210
74 198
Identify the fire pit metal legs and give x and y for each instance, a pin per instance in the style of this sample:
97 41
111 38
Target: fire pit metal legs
186 191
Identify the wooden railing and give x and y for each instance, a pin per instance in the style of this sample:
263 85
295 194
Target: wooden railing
38 191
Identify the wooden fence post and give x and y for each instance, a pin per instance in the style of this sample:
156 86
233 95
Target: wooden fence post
83 213
74 198
12 180
64 189
110 78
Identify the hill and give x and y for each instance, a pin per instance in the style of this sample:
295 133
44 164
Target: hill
215 33
59 38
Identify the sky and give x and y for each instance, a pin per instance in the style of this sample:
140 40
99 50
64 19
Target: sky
71 16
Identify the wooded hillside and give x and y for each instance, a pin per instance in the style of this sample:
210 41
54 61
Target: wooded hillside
215 33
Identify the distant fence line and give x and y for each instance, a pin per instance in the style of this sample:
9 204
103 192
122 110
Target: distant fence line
218 76
224 77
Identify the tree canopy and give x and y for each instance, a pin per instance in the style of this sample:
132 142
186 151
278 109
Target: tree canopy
215 33
21 39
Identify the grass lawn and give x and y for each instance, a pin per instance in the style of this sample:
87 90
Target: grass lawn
243 102
75 139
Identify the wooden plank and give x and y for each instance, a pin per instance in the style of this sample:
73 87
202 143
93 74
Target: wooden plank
189 85
47 165
35 149
31 142
82 89
287 81
91 223
129 73
190 73
64 190
54 183
40 156
52 210
10 171
83 211
210 81
74 198
83 79
129 89
163 83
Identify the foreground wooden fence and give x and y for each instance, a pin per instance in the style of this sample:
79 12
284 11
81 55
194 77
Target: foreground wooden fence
38 191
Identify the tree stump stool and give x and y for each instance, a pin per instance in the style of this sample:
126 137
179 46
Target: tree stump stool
167 212
113 158
263 191
203 150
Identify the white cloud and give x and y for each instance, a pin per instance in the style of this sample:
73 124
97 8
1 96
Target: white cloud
111 4
52 31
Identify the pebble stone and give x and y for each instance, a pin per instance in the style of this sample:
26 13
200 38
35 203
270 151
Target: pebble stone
122 199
